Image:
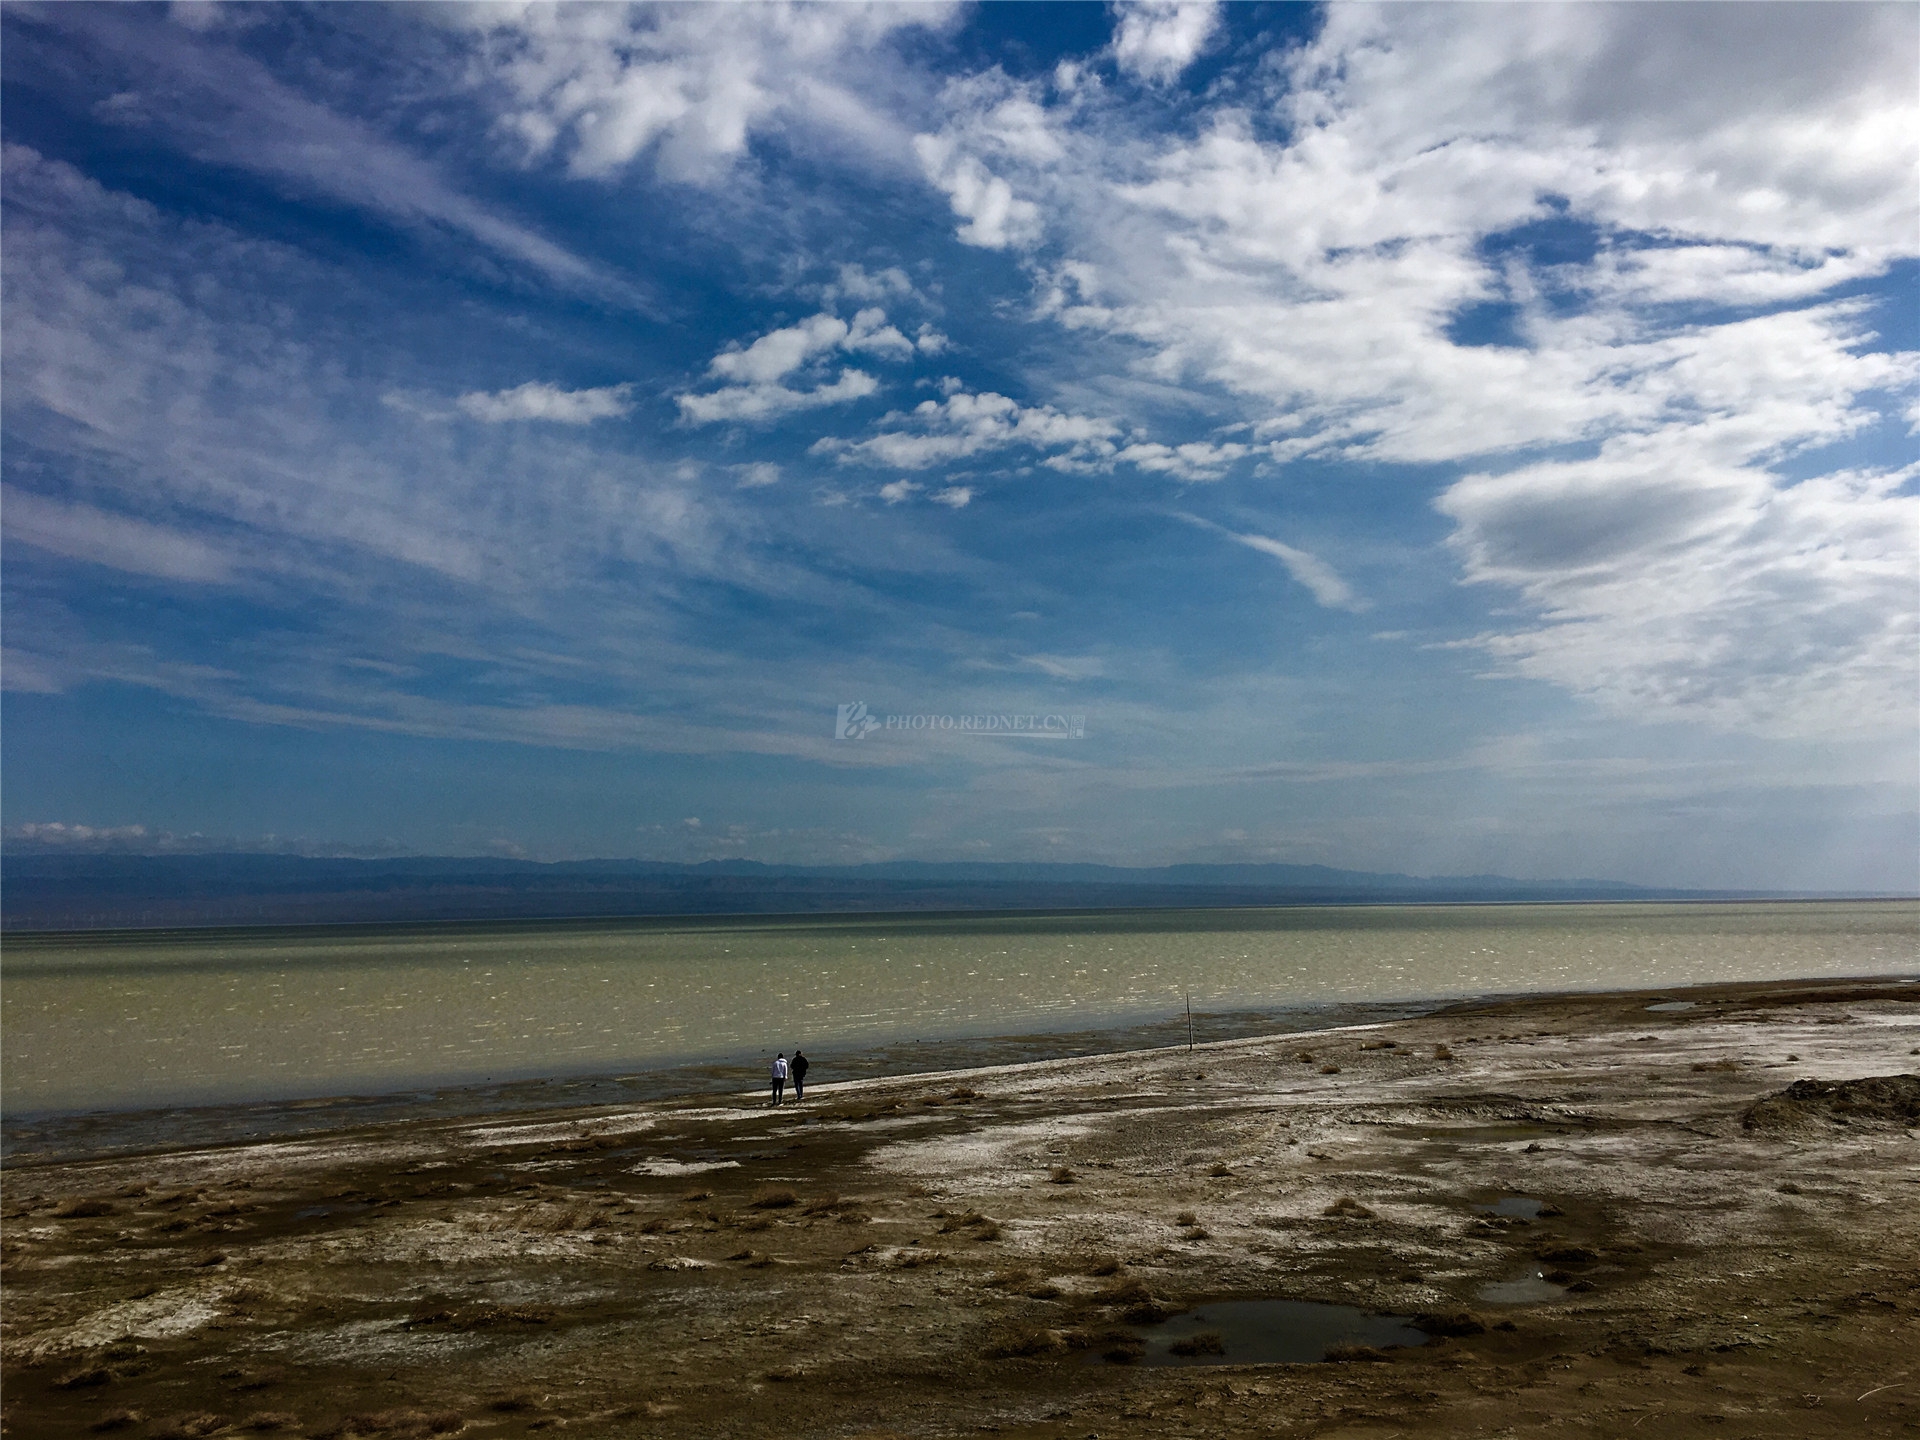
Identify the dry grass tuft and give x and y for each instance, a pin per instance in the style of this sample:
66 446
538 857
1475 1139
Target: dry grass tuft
405 1424
1220 1168
964 1093
187 1427
1023 1343
694 1197
777 1197
1348 1208
1186 1217
1305 1057
116 1420
1347 1354
483 1317
1701 1067
512 1404
973 1224
1127 1291
1207 1342
1441 1052
1456 1325
1101 1265
1329 1069
1062 1175
270 1420
83 1207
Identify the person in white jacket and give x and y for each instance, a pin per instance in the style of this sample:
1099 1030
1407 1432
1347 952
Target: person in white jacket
779 1076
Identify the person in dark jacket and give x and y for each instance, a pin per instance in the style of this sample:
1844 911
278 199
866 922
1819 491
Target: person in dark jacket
797 1068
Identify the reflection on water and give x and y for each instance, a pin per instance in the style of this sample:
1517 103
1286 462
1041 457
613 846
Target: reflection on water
142 1019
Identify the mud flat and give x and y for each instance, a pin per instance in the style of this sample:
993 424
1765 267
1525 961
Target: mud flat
1701 1221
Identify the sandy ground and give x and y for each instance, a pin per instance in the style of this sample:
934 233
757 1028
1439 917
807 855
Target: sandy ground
987 1252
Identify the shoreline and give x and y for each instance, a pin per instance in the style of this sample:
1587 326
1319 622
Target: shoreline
930 1254
255 1121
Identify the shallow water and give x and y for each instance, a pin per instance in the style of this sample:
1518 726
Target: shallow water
1273 1332
146 1019
1516 1207
1532 1288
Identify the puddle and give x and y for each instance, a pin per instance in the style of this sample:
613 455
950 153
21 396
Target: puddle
1532 1288
682 1167
321 1212
1514 1207
1492 1134
1669 1006
1271 1332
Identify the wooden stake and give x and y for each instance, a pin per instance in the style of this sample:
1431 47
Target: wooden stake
1189 1019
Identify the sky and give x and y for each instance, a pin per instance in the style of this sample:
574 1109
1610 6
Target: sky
1445 439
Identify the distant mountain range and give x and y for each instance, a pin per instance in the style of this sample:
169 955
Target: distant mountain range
50 890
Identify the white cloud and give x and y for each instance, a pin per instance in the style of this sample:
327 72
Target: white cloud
537 400
995 218
857 283
1672 583
954 497
870 333
1157 39
758 474
779 353
760 371
1195 461
770 401
1713 162
896 491
965 424
689 85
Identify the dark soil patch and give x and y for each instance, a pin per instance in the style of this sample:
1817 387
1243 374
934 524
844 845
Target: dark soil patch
1876 1100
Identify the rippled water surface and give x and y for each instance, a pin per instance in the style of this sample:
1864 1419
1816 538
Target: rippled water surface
149 1018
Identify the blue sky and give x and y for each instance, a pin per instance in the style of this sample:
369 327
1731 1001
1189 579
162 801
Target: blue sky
1433 438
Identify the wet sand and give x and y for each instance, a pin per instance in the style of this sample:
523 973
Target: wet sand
993 1251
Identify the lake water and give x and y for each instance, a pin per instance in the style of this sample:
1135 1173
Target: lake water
146 1019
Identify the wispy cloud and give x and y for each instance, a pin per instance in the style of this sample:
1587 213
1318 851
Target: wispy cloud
1316 575
222 106
119 542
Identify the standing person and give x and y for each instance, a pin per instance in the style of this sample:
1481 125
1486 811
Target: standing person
798 1069
779 1076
